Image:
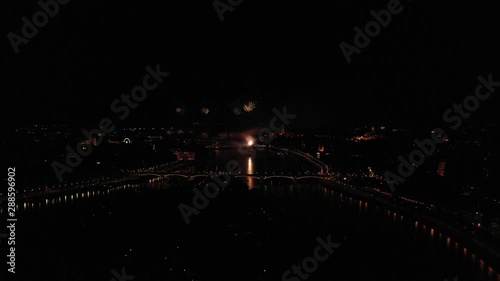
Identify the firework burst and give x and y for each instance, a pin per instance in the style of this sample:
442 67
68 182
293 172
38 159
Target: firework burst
237 111
249 106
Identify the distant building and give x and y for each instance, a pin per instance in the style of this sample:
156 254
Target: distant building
371 135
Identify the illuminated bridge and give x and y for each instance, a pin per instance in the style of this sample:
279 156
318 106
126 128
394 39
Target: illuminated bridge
192 176
322 166
309 158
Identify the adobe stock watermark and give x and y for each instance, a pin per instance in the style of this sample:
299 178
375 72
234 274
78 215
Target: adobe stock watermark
210 191
264 134
311 264
222 7
40 19
372 29
121 107
121 277
454 116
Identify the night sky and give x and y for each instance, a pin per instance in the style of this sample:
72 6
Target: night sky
273 52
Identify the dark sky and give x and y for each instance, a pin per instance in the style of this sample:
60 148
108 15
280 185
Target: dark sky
273 52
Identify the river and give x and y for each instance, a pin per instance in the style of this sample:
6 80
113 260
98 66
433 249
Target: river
252 230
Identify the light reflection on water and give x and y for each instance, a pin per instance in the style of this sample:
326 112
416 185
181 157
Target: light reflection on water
250 172
249 167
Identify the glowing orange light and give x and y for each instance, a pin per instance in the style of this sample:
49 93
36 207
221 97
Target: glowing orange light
250 106
250 140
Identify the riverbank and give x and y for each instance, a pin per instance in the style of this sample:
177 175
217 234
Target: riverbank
489 259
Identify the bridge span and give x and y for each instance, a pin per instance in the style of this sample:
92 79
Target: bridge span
306 156
293 177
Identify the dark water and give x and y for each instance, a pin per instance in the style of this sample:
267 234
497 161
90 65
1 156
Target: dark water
255 161
243 233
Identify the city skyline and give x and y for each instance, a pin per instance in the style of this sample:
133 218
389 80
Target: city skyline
235 139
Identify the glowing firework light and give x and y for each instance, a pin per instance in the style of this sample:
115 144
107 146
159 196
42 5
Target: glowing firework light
249 106
237 111
250 140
